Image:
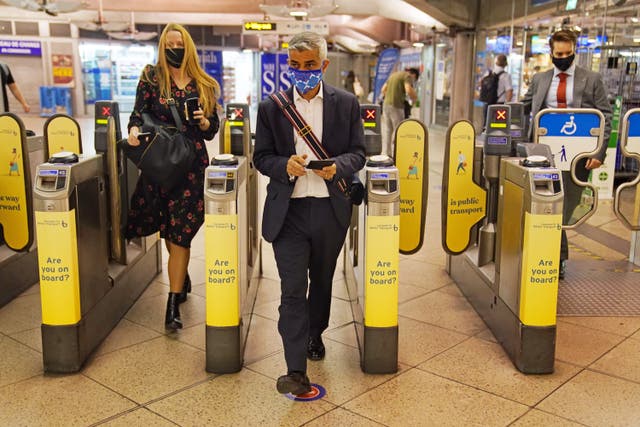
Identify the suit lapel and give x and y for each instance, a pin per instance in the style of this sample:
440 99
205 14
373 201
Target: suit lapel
579 83
545 84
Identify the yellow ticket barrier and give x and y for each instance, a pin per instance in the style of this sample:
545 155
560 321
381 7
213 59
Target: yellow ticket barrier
463 200
15 184
61 133
411 156
379 349
226 268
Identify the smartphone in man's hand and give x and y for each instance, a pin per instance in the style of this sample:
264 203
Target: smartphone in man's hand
319 164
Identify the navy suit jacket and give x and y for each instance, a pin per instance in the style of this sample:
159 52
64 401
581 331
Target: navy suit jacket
588 92
342 138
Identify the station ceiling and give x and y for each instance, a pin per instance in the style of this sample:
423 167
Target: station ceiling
369 22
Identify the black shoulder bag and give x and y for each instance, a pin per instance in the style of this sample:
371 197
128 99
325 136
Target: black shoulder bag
168 156
353 190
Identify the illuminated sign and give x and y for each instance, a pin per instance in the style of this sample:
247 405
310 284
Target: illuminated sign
259 26
497 140
551 176
285 27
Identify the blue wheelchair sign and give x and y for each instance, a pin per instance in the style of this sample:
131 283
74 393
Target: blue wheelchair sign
569 133
570 124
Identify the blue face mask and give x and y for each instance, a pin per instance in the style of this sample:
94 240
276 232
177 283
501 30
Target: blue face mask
305 80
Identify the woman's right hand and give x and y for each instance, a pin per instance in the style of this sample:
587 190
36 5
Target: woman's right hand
133 136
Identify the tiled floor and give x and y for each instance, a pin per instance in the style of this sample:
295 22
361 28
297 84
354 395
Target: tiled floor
451 370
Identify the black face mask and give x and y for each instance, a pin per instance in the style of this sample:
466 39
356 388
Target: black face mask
563 64
174 56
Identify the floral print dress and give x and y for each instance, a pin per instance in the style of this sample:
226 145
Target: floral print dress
177 214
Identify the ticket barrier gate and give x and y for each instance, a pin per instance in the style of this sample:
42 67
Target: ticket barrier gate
516 295
627 195
18 252
372 273
235 135
84 292
370 114
236 139
231 280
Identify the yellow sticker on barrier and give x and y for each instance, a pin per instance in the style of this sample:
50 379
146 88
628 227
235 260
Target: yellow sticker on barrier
463 201
540 266
381 271
15 181
62 133
412 163
221 255
58 267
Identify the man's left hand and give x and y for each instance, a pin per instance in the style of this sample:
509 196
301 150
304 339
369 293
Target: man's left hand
593 163
327 172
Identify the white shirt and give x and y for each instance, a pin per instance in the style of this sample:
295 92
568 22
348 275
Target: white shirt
552 95
309 185
504 84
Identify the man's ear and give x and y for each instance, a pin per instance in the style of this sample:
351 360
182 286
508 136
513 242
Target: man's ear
325 64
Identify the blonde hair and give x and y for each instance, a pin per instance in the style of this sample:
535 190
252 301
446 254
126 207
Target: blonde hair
208 87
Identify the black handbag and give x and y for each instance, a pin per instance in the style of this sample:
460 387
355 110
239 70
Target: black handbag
168 156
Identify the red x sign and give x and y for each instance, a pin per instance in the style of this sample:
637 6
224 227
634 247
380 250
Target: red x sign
106 111
371 114
238 113
501 114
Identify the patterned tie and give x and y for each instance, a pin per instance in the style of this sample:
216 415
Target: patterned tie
561 95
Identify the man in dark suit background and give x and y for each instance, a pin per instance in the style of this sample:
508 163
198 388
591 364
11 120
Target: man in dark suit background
306 215
567 85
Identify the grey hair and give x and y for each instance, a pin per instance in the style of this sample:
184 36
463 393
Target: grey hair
309 41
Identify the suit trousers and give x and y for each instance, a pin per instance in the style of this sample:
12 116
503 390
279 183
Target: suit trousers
572 197
307 247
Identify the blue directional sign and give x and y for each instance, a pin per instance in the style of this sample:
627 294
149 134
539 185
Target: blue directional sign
570 124
630 142
634 124
568 134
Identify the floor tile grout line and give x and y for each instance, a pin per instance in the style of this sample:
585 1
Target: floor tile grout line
564 319
22 343
440 353
549 413
445 328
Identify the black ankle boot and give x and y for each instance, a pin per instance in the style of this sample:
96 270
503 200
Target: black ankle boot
186 288
172 319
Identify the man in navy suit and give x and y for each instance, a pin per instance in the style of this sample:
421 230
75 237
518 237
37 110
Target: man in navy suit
306 215
567 85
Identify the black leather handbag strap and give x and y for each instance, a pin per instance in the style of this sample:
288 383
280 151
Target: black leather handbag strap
304 130
174 113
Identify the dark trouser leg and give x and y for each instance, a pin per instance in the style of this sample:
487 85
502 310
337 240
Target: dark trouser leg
572 197
292 249
327 237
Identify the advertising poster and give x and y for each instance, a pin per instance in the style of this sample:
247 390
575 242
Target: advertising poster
386 62
212 64
62 69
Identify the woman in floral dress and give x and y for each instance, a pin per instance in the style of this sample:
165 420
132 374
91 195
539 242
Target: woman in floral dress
178 213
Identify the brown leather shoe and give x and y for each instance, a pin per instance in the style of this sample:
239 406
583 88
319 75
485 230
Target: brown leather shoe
295 383
315 349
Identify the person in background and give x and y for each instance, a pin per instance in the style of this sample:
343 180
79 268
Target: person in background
349 82
505 88
179 213
567 85
306 215
6 80
395 92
